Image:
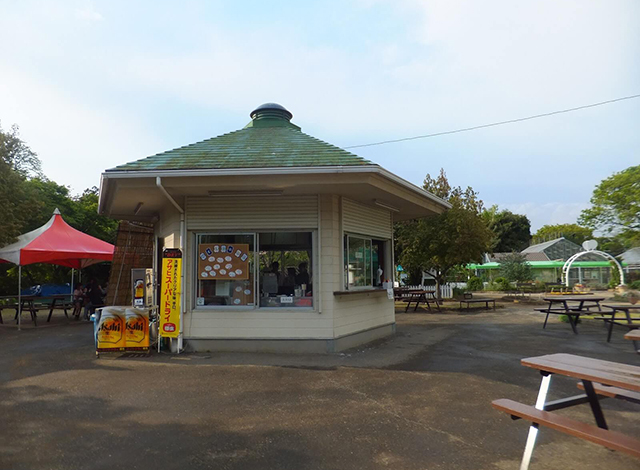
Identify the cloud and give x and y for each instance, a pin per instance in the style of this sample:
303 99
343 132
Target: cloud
75 141
87 14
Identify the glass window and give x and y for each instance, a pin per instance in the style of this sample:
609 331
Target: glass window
364 261
224 270
286 269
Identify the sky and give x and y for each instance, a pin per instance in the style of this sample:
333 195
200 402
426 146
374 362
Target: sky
95 84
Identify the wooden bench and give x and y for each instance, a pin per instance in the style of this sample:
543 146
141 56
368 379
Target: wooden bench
604 437
614 392
477 301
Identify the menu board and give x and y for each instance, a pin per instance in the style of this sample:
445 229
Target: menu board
222 261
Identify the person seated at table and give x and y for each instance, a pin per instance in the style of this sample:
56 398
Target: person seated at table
78 300
95 294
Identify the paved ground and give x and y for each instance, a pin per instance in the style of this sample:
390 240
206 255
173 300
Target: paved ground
418 401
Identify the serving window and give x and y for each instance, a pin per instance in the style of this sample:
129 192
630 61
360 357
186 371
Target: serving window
364 262
255 270
285 269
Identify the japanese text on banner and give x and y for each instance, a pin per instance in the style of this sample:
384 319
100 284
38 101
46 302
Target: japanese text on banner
170 294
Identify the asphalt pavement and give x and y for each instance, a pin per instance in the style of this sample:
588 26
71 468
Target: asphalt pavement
418 400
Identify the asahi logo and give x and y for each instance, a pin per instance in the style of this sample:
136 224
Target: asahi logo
110 325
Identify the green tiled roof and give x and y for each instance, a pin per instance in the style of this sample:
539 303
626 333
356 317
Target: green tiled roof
268 141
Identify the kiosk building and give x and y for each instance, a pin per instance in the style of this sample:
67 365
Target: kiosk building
286 240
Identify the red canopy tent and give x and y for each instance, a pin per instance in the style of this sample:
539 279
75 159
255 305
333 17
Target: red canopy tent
56 242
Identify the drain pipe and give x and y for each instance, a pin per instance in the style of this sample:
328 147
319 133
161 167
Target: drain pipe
183 238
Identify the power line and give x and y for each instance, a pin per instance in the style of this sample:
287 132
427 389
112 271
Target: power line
465 129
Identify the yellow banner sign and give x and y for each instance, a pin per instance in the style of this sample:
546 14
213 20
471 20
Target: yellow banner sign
170 293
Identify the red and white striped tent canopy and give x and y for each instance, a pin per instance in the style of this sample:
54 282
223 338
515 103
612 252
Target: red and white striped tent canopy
56 242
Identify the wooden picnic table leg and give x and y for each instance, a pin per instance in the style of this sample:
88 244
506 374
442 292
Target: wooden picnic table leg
533 429
544 325
53 305
408 304
613 318
595 404
423 297
34 313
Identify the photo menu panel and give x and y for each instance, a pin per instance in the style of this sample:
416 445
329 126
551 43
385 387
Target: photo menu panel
224 262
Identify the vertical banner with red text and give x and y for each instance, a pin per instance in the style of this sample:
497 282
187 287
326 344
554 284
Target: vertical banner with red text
170 293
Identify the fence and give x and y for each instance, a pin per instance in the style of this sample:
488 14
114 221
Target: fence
446 291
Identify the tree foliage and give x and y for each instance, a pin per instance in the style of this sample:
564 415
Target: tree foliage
615 205
27 201
440 243
17 154
515 268
511 232
571 232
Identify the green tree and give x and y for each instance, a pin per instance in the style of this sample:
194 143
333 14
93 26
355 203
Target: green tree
572 232
515 268
443 242
27 201
512 232
17 154
17 164
615 206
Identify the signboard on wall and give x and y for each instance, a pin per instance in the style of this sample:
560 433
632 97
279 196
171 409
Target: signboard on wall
170 293
222 261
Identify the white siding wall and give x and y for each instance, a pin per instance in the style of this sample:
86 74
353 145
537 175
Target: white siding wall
362 311
340 314
366 220
265 213
168 227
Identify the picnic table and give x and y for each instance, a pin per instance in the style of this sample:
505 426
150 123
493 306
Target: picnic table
34 303
418 295
477 300
627 321
634 335
599 379
559 305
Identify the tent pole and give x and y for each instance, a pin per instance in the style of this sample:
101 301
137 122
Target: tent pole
71 281
19 295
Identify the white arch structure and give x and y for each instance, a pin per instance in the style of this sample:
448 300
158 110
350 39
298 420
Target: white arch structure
569 262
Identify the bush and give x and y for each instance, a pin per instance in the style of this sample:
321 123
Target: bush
501 283
458 292
475 284
635 285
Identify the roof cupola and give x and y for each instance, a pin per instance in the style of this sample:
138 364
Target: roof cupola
271 111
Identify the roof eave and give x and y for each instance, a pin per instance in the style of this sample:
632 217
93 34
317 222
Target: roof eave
374 169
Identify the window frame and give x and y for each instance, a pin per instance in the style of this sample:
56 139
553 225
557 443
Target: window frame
345 258
315 271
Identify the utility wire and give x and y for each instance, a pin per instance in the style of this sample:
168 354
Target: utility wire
495 123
